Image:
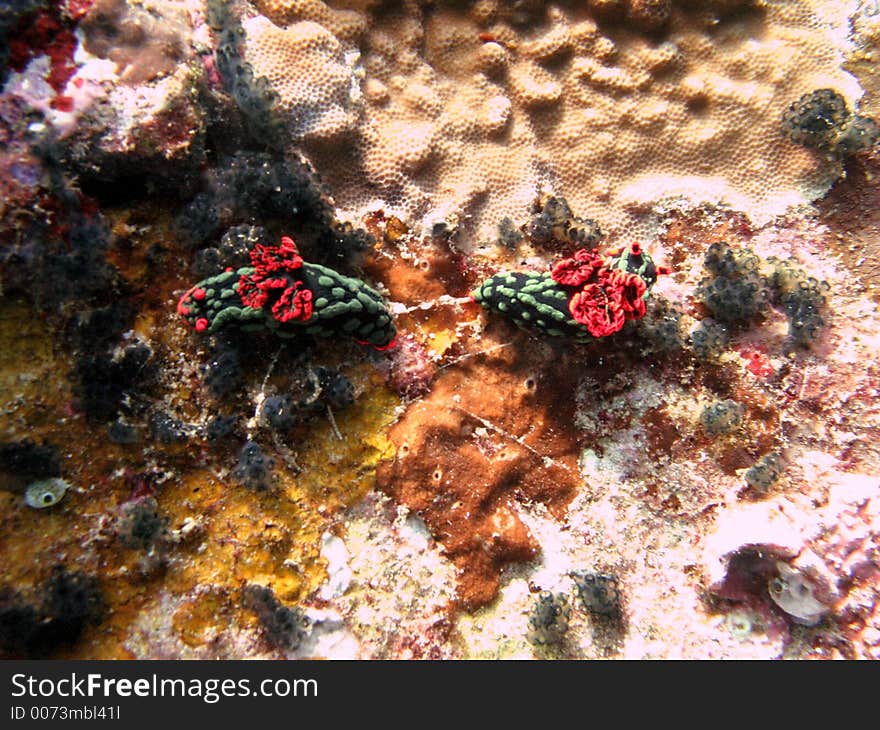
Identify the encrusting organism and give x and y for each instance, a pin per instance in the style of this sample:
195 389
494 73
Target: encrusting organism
766 472
794 594
284 294
554 225
598 592
65 604
284 627
254 468
821 121
801 296
722 417
548 621
584 296
735 293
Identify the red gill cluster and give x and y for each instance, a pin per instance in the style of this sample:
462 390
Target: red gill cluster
274 275
605 297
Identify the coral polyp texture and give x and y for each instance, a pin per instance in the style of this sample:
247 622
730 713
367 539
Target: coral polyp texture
583 296
282 293
464 112
439 329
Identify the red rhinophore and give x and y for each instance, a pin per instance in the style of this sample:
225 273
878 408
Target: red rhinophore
198 294
758 365
636 248
577 269
201 324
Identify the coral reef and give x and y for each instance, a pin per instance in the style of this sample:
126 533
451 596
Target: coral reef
465 113
598 462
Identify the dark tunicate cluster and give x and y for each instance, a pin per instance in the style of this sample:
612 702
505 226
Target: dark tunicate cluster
120 432
284 627
168 430
861 133
708 340
253 94
821 120
67 602
598 593
103 380
766 472
98 328
735 293
509 235
76 270
660 326
71 265
548 621
322 387
220 427
553 225
722 417
279 412
140 524
198 221
254 468
336 389
247 188
232 251
222 372
25 461
801 297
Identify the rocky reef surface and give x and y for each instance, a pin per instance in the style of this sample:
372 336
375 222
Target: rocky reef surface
440 329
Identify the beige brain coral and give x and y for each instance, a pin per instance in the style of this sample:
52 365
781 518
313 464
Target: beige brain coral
345 24
469 110
314 74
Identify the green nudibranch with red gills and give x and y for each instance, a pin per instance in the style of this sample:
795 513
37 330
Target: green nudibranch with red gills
583 297
282 293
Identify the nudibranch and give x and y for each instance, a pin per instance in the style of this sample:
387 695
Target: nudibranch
282 293
582 297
